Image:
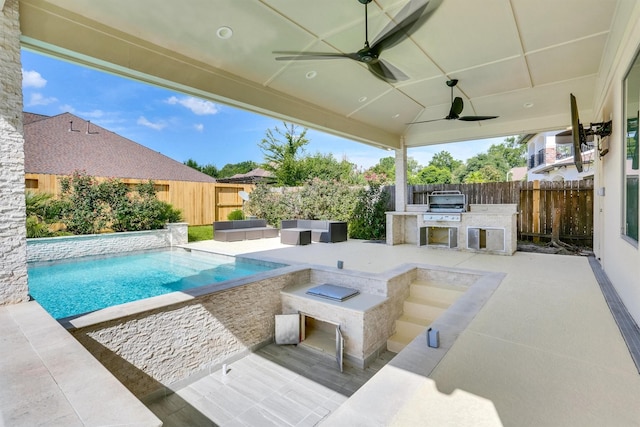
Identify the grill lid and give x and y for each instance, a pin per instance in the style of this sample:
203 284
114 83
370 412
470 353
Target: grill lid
446 201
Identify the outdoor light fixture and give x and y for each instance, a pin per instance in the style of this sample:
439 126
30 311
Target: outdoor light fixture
224 33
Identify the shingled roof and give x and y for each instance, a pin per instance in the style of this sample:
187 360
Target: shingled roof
62 144
251 177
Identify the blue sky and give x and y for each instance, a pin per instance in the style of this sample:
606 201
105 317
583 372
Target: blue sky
180 126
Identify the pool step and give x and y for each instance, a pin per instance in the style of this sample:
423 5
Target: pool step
426 301
436 292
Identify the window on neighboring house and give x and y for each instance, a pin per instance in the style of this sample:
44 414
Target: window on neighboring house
631 167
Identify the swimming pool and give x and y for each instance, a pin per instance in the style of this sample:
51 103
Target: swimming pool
72 287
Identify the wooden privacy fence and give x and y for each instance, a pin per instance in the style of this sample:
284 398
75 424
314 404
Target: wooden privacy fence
569 204
201 203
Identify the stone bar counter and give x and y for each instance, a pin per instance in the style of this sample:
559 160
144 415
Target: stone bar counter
486 228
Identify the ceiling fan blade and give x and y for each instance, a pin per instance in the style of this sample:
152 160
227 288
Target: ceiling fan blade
476 118
411 17
387 72
426 121
297 56
456 108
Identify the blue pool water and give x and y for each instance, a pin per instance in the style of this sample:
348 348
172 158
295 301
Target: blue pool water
70 288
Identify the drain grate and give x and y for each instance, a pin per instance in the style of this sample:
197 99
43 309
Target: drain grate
628 327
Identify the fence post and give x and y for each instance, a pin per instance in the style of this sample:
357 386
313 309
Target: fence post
535 212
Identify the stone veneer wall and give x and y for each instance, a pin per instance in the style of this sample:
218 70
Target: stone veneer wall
13 243
156 348
56 248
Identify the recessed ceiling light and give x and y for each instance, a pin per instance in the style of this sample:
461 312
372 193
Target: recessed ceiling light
528 104
362 99
224 33
395 116
311 74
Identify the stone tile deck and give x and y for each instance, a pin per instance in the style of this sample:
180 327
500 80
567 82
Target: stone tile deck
48 379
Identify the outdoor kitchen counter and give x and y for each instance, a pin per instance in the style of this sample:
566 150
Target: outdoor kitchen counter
361 319
484 228
361 302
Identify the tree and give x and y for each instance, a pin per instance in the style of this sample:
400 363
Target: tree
328 168
444 160
281 156
511 151
433 175
386 167
487 173
208 169
385 170
231 169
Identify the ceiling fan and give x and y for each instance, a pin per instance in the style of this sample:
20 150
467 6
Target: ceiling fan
456 108
405 23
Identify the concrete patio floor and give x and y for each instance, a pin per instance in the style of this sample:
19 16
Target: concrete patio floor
543 351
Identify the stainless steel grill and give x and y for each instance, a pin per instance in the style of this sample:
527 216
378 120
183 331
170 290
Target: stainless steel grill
446 202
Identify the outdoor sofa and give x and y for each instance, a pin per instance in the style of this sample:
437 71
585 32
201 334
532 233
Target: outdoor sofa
245 229
320 230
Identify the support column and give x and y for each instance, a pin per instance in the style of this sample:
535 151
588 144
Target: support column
13 235
401 177
396 223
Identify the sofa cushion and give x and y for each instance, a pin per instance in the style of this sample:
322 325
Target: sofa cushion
223 225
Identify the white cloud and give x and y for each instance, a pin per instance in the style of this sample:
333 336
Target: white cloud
95 114
32 79
155 126
39 99
199 127
66 108
197 106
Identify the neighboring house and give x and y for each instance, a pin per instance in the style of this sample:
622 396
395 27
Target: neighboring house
550 157
252 177
59 145
517 174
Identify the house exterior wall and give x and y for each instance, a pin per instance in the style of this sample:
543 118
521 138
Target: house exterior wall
619 257
566 170
13 235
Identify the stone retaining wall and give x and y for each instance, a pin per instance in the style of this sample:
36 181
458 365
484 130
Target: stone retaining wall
57 248
156 348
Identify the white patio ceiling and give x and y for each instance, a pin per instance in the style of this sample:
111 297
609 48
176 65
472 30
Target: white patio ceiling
517 59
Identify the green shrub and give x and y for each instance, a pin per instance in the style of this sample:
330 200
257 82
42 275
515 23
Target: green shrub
89 206
37 228
327 200
273 206
368 220
235 215
42 210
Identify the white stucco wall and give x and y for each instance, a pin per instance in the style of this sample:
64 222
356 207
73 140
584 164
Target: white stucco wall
620 258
